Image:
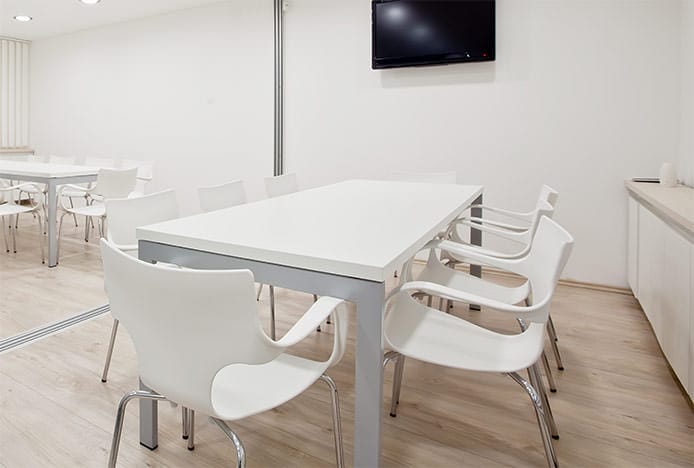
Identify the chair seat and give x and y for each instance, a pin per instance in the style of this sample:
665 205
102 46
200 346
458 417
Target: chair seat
96 209
243 390
9 209
35 189
436 272
429 335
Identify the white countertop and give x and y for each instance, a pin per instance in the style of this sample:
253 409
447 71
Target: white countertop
358 228
674 204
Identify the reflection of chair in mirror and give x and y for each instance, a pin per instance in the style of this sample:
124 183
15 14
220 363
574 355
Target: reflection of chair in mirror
110 184
10 205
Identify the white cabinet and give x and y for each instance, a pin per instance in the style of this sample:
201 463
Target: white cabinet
691 323
633 246
661 274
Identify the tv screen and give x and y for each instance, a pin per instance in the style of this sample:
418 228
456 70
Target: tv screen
428 32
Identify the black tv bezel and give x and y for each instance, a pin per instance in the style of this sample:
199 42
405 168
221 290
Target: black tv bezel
425 60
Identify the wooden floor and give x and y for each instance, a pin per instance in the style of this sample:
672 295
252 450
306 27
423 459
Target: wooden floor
617 403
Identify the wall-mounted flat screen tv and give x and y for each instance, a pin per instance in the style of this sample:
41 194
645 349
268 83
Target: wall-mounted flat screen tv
428 32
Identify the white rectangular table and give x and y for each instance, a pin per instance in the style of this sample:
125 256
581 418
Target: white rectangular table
342 240
52 175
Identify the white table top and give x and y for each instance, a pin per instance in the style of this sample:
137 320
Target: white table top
358 228
44 170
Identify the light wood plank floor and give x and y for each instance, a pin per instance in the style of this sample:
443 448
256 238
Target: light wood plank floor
617 403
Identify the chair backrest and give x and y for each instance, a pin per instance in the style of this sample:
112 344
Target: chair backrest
543 208
125 215
186 324
281 185
35 158
447 177
222 196
67 160
549 195
145 169
101 163
545 262
115 183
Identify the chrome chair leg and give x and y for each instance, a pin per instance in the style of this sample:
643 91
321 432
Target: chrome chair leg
60 236
541 422
109 352
14 236
260 290
536 381
551 331
4 234
548 373
87 220
43 253
337 421
191 429
240 450
184 423
74 216
272 313
397 384
120 416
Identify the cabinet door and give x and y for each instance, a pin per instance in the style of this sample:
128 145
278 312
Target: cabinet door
691 321
675 284
650 265
633 246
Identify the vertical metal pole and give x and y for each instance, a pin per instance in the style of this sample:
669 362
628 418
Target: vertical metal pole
279 89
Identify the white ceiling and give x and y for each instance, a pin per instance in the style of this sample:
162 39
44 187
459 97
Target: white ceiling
54 17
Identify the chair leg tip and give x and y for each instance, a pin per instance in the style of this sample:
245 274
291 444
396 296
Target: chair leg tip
184 437
555 437
561 368
103 380
393 415
190 449
553 390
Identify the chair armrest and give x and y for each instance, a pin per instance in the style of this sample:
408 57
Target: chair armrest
445 292
471 254
515 236
511 227
509 214
19 187
308 323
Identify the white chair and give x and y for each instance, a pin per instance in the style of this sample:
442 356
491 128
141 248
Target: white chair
124 217
545 206
110 184
145 172
281 185
278 186
218 197
415 330
10 206
41 188
229 368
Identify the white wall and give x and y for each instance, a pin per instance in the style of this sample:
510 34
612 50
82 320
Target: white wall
191 90
584 94
686 162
